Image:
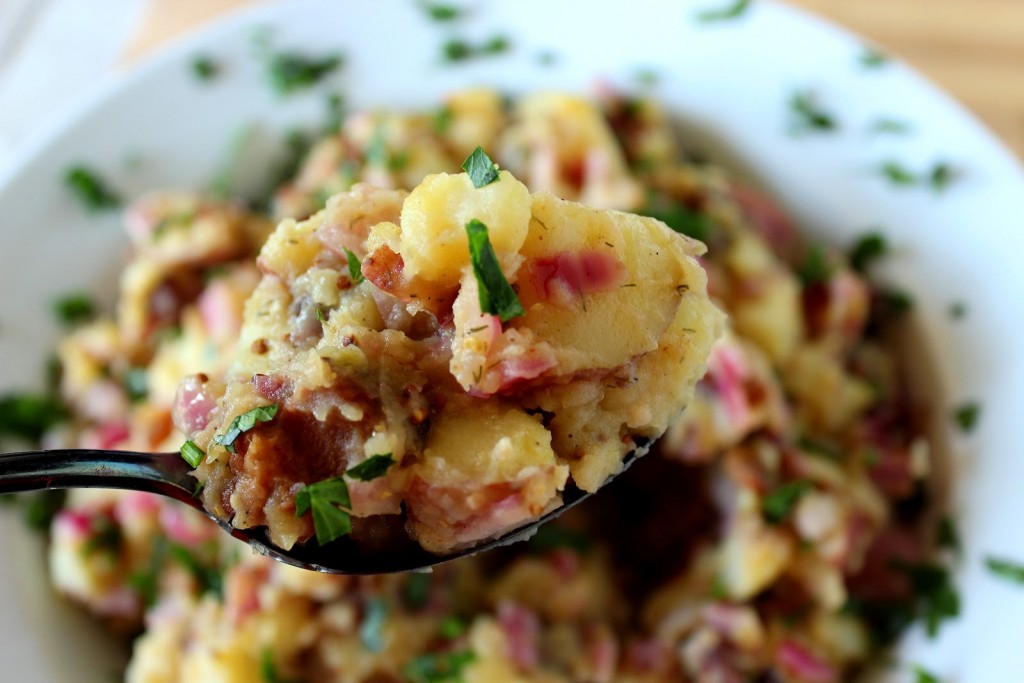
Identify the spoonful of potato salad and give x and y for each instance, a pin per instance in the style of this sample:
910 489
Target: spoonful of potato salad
421 375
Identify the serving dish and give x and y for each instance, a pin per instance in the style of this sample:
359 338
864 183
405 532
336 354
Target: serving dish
730 83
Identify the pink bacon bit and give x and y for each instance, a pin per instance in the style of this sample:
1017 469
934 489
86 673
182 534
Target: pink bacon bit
272 387
566 276
602 654
107 436
648 656
769 220
185 527
241 591
726 375
220 310
192 405
72 526
804 665
522 634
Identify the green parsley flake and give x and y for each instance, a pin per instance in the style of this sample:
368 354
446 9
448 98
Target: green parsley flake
553 536
29 416
1006 569
438 668
92 191
452 627
815 267
204 68
872 58
808 114
897 174
373 467
439 12
777 505
244 423
496 294
967 416
335 113
416 590
355 267
146 582
136 384
268 668
948 536
678 216
482 171
104 537
889 126
73 309
192 453
40 509
208 577
942 176
733 11
443 120
371 631
935 596
820 448
922 675
459 50
292 71
957 310
869 248
331 506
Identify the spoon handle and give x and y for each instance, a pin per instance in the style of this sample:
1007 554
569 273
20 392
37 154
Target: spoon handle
164 473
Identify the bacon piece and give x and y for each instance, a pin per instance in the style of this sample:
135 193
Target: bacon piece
804 665
566 276
193 405
769 220
522 633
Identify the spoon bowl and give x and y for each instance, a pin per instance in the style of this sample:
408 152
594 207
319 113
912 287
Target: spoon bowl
381 548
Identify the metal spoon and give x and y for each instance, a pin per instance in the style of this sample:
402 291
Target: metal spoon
381 548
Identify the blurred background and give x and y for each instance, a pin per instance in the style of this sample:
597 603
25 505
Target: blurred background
54 52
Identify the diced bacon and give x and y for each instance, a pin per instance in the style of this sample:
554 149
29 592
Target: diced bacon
727 370
647 656
72 526
374 498
880 578
565 277
838 306
602 655
892 472
121 602
107 436
565 562
804 665
768 220
517 370
136 505
185 526
193 405
272 387
384 269
241 591
522 631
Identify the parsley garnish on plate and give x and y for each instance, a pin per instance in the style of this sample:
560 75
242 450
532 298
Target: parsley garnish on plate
1006 569
678 216
72 309
967 416
331 506
208 577
292 71
779 503
732 11
355 267
90 189
936 599
890 126
482 171
957 310
922 675
897 174
205 68
192 453
243 423
939 177
496 295
808 114
459 50
872 58
442 667
371 631
441 12
868 248
948 536
372 468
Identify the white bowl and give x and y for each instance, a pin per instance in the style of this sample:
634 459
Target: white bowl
729 83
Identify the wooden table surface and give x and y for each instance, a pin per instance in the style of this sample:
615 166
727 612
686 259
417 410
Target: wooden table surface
972 48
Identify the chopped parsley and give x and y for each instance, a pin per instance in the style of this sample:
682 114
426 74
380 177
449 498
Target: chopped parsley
1007 569
373 467
889 126
205 68
935 596
496 294
92 191
547 58
416 590
292 71
922 675
967 416
355 267
146 582
29 416
244 423
176 220
872 58
732 11
948 536
778 504
459 50
442 667
40 508
378 154
808 115
897 174
335 113
331 506
105 537
136 384
268 668
939 177
208 577
957 310
371 631
815 267
482 171
452 627
646 77
678 216
868 248
441 12
551 537
72 309
192 453
443 120
820 447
